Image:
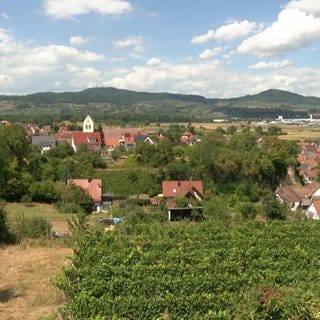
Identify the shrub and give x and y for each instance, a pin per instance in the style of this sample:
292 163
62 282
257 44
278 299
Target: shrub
33 228
248 210
6 236
74 200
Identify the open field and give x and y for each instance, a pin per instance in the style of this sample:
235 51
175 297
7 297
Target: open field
292 132
300 133
26 289
58 220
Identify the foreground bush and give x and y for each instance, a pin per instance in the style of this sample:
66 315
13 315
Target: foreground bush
6 236
32 228
196 271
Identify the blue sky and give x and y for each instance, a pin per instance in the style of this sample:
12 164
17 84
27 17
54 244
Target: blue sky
207 47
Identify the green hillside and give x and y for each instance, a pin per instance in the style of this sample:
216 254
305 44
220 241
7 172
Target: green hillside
125 105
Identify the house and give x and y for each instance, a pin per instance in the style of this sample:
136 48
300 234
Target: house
296 196
93 187
313 212
63 135
143 138
189 138
192 190
91 139
44 143
126 137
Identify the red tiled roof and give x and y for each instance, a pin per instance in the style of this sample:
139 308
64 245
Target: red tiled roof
88 138
112 142
93 187
172 189
297 193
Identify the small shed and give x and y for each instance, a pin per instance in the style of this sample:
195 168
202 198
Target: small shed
190 213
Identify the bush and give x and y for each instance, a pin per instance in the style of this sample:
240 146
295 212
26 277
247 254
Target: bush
248 210
6 236
33 228
74 200
46 191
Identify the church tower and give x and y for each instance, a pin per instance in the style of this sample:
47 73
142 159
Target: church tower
88 124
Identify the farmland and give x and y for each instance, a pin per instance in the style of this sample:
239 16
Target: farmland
255 270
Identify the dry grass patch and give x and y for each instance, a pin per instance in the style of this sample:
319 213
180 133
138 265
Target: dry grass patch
26 273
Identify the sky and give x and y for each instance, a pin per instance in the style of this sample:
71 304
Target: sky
217 49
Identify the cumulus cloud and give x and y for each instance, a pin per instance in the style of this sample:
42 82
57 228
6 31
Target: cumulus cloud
28 68
205 78
308 6
293 29
133 42
228 32
271 64
60 9
78 41
209 53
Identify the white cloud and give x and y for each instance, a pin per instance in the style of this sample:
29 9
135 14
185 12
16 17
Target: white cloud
209 53
308 6
203 38
133 42
78 41
271 64
228 32
4 35
28 68
204 78
293 29
60 9
236 30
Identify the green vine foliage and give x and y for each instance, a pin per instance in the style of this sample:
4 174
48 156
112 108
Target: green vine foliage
196 271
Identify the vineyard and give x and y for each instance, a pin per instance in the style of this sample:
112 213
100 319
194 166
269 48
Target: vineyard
257 270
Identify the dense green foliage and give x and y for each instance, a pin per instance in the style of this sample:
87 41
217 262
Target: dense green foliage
128 182
196 271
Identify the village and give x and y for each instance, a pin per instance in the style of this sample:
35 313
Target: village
300 194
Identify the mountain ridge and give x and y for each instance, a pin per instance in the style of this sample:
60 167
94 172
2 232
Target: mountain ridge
162 106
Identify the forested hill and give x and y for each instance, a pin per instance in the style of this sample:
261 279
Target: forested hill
105 95
126 105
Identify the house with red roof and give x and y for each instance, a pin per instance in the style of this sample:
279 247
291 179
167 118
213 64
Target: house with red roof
91 139
92 187
297 196
126 137
192 190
